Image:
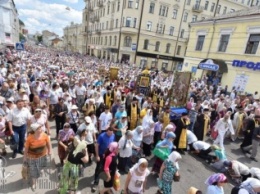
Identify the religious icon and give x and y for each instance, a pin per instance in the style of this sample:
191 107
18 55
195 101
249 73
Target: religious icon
144 82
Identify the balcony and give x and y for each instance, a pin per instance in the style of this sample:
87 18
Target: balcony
197 8
129 30
100 3
98 31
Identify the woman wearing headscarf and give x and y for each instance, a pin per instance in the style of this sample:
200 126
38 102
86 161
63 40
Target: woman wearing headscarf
110 166
215 183
220 158
249 186
166 143
70 172
137 141
148 134
137 177
125 151
168 170
65 137
147 118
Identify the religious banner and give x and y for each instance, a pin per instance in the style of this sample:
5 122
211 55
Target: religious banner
113 73
144 83
180 89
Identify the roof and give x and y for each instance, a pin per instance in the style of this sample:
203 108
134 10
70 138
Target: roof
237 14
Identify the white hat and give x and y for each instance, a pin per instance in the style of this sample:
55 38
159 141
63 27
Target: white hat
88 119
74 107
35 126
11 99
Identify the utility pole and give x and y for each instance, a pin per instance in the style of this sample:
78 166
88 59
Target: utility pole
120 31
139 30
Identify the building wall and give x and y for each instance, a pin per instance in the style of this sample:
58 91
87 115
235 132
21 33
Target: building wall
239 30
9 23
99 24
73 38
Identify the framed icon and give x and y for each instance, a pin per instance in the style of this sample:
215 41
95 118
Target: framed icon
144 81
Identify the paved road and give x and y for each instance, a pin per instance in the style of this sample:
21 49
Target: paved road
193 173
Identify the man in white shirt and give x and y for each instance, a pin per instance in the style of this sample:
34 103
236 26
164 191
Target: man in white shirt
105 120
203 149
18 119
237 170
80 91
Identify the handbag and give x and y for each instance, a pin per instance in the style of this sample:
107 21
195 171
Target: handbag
25 172
116 183
161 153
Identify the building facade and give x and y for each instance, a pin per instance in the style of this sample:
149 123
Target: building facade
73 38
9 24
232 43
150 33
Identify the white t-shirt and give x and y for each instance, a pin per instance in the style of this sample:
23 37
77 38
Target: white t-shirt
201 145
54 97
105 120
80 90
91 131
191 137
136 182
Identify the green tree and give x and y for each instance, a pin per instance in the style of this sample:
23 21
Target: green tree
39 38
21 37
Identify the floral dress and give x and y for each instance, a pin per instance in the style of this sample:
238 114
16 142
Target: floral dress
167 177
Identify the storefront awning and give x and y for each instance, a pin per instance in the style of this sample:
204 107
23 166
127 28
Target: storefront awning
213 65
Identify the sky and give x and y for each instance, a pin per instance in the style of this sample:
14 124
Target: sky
51 15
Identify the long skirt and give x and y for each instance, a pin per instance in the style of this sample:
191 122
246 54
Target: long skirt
36 165
69 178
157 165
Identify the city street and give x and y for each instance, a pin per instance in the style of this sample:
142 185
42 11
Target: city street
193 173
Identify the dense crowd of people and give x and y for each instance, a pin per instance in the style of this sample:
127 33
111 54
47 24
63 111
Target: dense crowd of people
112 123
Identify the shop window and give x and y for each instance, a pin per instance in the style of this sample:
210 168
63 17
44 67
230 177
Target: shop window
252 44
223 42
127 41
200 43
146 43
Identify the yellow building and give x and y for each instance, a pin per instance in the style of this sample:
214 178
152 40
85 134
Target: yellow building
73 38
228 46
150 33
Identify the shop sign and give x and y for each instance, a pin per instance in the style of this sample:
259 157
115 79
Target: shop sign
247 64
208 66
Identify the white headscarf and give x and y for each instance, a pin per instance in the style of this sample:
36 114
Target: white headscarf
173 157
81 145
136 166
147 118
137 136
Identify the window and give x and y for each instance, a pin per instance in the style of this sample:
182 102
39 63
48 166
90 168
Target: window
110 40
248 2
151 8
182 33
115 40
149 26
225 10
118 5
171 30
130 3
257 2
157 46
108 8
223 42
113 7
185 17
188 2
218 9
174 13
178 50
105 40
200 43
128 22
160 28
116 23
127 41
101 41
107 25
103 26
104 10
136 4
163 11
146 43
194 18
252 44
212 7
206 5
134 24
168 46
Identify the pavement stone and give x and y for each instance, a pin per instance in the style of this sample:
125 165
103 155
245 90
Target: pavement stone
193 172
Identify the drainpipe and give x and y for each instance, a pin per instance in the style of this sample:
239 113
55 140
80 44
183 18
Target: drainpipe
178 36
139 30
120 32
